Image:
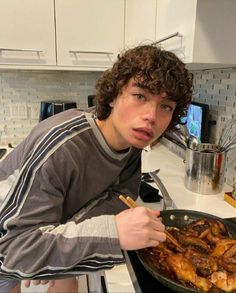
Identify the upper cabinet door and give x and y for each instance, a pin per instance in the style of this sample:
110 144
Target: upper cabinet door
27 32
90 33
207 29
140 22
176 16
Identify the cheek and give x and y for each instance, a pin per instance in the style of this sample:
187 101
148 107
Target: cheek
164 123
123 110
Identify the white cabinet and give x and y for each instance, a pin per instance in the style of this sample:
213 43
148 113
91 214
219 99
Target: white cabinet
140 22
89 32
207 29
27 32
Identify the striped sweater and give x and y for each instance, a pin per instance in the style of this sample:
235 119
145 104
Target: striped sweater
59 193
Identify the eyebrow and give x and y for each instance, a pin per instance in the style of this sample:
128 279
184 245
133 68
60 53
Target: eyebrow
134 83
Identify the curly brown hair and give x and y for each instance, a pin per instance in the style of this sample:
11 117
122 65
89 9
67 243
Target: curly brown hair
155 70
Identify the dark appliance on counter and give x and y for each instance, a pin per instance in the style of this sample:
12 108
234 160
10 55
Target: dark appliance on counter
50 108
91 100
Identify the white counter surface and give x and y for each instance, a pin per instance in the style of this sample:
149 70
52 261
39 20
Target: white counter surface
172 175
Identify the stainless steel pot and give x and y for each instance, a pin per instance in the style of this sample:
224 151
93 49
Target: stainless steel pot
204 169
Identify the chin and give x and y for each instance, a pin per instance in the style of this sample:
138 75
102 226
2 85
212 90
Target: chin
140 145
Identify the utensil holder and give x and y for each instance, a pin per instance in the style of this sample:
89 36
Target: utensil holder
204 169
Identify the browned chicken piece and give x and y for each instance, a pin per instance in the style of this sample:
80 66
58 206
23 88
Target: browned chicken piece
161 249
222 246
185 271
218 228
224 281
212 230
230 254
217 232
186 240
205 264
198 228
193 242
228 260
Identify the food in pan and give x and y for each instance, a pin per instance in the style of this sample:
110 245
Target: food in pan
205 258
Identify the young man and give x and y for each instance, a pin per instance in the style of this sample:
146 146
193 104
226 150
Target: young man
60 213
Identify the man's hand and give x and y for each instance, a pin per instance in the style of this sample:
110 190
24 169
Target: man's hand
27 283
139 228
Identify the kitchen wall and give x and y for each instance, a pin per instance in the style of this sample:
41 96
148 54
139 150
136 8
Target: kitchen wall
22 91
218 89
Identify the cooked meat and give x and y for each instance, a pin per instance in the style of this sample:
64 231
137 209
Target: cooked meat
207 262
228 259
222 246
194 242
204 263
224 280
185 271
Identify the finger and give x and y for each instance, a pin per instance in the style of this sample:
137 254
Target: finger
44 282
155 213
26 283
157 225
158 236
153 243
36 282
51 283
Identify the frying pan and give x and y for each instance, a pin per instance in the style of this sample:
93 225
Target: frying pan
179 218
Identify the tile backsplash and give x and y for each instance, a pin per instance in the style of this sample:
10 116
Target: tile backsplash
217 88
22 90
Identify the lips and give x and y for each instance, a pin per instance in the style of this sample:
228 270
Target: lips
144 134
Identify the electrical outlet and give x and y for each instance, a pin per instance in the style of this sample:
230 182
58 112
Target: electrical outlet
18 111
34 111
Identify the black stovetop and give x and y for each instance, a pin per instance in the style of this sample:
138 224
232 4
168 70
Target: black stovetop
143 282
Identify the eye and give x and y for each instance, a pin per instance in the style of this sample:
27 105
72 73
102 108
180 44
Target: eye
140 97
167 107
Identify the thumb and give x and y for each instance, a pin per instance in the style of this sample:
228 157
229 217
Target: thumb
155 213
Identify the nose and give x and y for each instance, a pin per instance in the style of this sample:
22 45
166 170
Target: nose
150 112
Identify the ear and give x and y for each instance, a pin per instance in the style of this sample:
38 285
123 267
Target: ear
111 104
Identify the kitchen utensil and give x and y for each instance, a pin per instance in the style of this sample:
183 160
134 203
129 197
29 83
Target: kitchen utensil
228 135
204 169
230 146
168 203
129 202
184 130
183 135
193 142
179 218
180 138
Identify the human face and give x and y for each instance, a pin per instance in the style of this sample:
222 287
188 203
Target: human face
138 117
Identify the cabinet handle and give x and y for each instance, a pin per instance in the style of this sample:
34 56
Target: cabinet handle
21 50
177 34
90 52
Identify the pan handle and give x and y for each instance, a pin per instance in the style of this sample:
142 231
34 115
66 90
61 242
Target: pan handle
168 203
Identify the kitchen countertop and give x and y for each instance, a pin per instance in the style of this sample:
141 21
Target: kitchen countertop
172 175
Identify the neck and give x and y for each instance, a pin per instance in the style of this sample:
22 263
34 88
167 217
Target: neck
110 136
